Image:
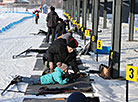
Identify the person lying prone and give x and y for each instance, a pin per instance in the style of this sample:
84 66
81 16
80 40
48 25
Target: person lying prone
51 78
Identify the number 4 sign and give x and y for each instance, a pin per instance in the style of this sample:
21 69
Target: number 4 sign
131 73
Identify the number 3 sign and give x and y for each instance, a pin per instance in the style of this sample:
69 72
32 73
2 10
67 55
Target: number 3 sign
131 73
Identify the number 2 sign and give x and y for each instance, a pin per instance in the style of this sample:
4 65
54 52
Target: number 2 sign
131 73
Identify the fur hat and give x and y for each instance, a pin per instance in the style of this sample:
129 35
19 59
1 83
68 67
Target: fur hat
72 43
77 97
62 66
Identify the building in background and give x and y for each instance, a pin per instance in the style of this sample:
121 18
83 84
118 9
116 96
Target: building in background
55 3
9 1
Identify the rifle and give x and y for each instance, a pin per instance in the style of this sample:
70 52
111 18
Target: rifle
13 81
84 50
42 32
18 91
40 51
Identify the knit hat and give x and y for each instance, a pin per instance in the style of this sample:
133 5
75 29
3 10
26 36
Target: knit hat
72 43
77 97
62 66
52 8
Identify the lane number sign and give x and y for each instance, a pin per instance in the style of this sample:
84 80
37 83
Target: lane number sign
131 73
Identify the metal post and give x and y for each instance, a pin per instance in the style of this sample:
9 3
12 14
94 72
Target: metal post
72 7
85 18
64 5
92 20
82 35
132 17
67 4
116 38
69 8
82 13
95 23
74 16
88 9
92 17
78 11
127 90
105 14
125 11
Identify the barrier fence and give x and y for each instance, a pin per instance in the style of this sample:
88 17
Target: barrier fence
16 22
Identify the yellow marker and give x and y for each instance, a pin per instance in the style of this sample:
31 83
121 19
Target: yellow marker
131 73
123 26
111 55
82 29
99 44
136 29
87 32
78 26
67 15
93 38
74 21
71 19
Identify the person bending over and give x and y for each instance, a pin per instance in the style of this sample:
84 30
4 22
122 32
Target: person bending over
61 51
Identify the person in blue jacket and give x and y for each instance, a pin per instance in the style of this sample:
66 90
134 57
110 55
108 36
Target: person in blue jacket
52 78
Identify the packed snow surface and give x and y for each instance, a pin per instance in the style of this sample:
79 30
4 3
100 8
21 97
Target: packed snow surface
19 38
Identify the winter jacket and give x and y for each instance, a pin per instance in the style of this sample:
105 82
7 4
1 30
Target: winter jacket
52 19
57 52
60 29
66 36
54 77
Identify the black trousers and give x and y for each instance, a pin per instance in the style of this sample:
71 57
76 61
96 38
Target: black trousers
71 60
36 19
50 30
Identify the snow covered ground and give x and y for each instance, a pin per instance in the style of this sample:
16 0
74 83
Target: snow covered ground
18 38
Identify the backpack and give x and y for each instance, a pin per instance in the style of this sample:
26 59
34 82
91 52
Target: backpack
52 19
104 71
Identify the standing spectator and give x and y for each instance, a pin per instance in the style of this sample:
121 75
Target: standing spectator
40 8
45 8
52 21
67 24
60 29
36 12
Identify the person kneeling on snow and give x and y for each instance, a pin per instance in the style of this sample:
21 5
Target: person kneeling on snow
52 78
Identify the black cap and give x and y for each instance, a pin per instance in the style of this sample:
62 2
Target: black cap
72 43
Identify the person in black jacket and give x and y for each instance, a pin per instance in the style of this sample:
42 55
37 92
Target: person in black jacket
52 21
67 24
61 51
60 29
